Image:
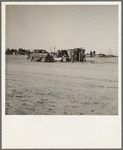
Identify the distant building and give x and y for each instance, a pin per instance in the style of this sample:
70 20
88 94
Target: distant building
100 55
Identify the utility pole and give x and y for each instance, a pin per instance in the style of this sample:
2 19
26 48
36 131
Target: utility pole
54 49
50 49
79 55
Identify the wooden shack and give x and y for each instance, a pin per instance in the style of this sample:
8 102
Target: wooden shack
80 54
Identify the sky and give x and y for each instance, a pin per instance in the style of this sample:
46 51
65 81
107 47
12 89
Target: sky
93 27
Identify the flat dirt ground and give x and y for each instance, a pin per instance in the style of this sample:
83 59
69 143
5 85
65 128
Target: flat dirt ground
61 88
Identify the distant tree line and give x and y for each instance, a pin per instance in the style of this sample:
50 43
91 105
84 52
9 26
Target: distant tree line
20 51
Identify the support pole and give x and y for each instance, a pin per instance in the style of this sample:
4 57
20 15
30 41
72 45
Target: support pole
79 55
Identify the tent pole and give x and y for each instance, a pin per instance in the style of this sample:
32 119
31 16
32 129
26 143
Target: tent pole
79 55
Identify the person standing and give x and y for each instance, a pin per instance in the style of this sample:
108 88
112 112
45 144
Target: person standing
75 58
72 57
90 53
93 53
28 54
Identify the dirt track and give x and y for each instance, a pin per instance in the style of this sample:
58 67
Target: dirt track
57 88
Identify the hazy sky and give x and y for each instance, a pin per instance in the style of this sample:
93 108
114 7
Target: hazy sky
63 26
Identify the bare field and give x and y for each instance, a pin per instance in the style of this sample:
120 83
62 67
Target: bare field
61 88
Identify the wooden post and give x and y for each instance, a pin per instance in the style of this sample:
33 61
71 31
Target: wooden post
79 55
82 54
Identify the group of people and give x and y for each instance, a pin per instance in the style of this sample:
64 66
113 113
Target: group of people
92 54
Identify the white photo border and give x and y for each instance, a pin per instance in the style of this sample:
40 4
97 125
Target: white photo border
60 131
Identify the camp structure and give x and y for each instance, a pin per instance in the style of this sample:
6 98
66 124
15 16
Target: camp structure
78 52
64 55
61 55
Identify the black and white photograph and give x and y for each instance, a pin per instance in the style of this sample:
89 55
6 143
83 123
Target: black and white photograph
61 59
